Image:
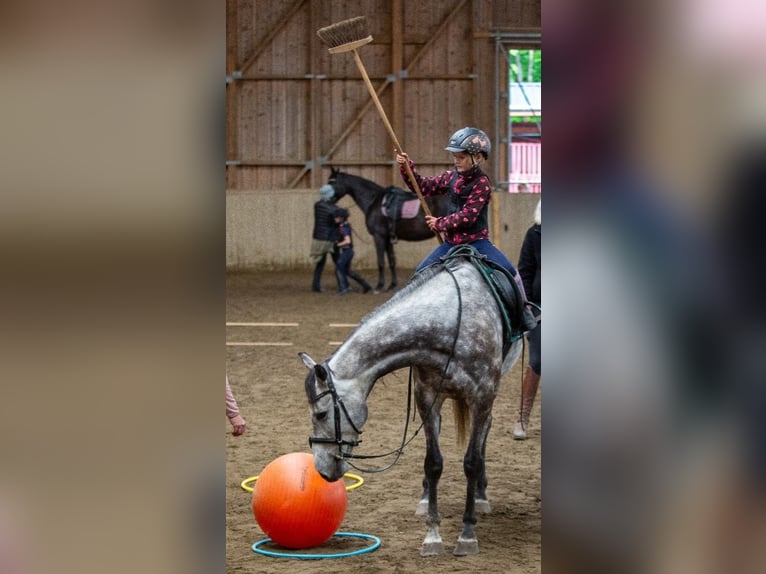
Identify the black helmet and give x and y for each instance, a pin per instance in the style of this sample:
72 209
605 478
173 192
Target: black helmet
341 212
470 140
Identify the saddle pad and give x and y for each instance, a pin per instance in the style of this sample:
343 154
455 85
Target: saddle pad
410 209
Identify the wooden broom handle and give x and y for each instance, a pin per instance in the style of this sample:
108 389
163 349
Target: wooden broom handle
397 147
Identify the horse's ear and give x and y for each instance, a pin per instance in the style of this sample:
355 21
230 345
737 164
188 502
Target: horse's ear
319 370
334 170
308 361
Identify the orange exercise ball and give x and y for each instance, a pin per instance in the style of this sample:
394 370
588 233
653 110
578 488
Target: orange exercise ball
294 505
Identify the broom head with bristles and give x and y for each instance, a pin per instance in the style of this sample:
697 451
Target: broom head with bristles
346 35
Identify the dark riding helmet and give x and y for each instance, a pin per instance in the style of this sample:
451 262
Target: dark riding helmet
341 212
470 140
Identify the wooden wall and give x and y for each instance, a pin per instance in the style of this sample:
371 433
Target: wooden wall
293 109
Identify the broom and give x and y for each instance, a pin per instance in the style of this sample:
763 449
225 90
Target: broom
347 36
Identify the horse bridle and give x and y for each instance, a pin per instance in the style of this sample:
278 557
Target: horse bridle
337 406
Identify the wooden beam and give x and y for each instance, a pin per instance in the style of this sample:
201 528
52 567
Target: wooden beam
232 90
309 77
397 59
314 96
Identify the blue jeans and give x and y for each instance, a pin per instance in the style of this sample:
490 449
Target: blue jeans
343 271
483 246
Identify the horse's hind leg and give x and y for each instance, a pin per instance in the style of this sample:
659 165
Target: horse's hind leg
380 250
481 500
473 463
391 264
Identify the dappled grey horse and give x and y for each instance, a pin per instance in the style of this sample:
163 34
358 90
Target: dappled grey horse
446 326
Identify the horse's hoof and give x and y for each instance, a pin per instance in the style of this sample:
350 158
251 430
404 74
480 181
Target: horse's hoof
482 505
466 547
422 509
432 548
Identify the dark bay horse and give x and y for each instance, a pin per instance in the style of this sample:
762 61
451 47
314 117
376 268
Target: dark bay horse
444 325
369 196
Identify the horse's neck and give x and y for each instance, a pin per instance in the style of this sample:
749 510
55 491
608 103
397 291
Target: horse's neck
388 340
363 192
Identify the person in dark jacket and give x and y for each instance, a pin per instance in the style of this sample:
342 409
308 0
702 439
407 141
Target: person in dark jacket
324 235
529 269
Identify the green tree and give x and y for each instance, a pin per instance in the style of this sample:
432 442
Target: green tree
525 65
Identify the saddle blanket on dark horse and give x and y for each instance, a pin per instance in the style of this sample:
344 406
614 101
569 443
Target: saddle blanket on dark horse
399 204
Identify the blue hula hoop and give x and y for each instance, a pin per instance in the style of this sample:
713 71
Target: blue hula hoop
365 550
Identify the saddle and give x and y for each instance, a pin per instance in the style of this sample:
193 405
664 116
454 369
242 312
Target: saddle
398 204
518 318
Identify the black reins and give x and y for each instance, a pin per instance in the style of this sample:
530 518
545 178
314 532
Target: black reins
339 406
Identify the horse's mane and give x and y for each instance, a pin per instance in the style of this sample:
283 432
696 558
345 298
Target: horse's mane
414 284
362 180
417 281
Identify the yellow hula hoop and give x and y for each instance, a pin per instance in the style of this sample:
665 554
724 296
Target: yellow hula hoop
245 484
359 481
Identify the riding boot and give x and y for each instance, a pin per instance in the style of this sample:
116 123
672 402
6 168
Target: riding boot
528 392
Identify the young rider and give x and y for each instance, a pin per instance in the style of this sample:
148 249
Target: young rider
470 191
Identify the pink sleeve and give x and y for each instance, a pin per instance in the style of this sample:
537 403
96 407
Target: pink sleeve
232 410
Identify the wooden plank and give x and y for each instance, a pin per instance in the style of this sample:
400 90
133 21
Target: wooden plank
232 90
266 42
256 324
257 344
397 115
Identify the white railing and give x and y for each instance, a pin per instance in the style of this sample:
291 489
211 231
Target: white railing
525 167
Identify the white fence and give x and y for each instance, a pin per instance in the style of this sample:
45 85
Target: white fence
525 167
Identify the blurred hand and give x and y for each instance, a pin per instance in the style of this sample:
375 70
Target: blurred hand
238 425
402 157
431 222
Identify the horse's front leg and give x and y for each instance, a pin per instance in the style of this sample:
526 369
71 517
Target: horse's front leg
473 465
432 467
422 509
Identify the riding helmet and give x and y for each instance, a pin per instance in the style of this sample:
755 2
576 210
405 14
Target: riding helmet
470 140
341 212
326 191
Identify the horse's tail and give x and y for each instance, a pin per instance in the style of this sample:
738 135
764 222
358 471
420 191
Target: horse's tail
461 416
